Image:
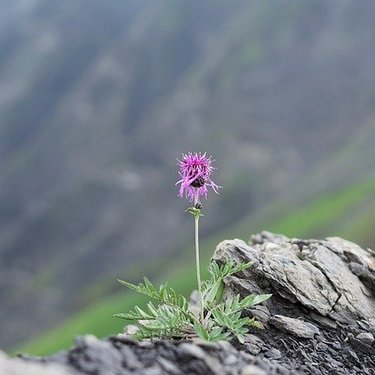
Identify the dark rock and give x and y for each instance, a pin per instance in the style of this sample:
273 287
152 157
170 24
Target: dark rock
364 273
21 366
99 356
371 325
324 321
168 366
273 354
254 344
260 313
361 345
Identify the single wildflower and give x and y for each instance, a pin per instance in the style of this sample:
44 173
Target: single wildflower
214 318
195 172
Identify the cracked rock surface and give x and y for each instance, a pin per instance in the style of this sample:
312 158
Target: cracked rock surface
320 320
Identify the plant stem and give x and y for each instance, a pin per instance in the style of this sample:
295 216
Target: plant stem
197 261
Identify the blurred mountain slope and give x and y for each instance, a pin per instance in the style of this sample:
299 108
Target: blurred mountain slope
98 100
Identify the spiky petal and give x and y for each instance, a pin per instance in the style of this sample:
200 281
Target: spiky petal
195 172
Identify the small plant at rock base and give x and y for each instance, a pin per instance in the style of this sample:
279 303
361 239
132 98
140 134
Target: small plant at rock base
216 318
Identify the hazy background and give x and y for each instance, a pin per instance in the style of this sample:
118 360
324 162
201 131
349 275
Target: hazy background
98 98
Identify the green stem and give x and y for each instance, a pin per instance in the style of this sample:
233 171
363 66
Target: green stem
197 261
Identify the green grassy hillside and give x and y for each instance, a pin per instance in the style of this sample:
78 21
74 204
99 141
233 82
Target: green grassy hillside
349 213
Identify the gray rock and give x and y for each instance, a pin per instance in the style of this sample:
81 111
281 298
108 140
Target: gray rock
261 313
366 275
252 370
371 324
130 358
309 280
18 366
192 350
322 281
99 356
153 370
254 344
273 354
323 320
360 345
94 356
366 338
352 251
168 366
295 327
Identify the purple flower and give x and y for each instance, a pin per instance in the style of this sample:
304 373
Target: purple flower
195 172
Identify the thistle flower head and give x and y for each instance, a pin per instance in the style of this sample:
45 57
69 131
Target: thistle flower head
195 172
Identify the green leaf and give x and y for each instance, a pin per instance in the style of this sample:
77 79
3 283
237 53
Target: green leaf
163 294
226 269
201 331
160 321
148 285
137 314
257 324
214 293
239 267
129 285
196 212
240 337
214 288
217 334
261 298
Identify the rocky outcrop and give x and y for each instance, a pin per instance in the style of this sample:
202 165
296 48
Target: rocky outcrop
320 320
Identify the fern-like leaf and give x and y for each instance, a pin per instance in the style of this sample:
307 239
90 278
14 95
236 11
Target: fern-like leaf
164 295
167 322
172 317
213 291
228 315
